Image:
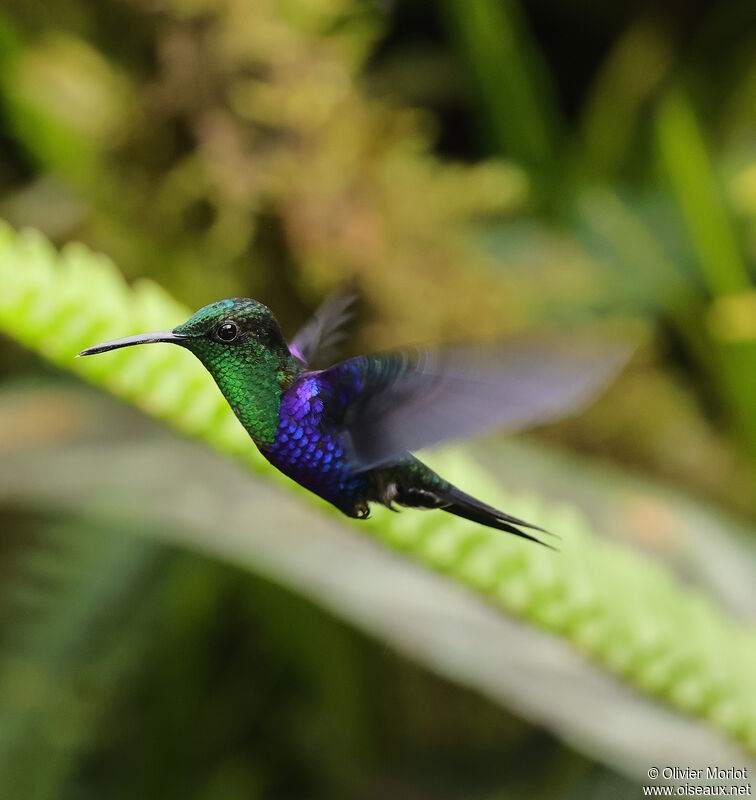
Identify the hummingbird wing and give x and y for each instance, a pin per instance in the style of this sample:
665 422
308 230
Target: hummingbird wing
316 340
389 404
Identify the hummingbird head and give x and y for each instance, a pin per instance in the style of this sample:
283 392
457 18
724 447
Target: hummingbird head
216 333
240 344
230 325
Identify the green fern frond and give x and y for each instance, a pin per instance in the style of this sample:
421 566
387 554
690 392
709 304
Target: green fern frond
624 611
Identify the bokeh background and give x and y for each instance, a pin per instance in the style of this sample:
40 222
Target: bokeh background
476 168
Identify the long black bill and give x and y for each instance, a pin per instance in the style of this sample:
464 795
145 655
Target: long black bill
142 338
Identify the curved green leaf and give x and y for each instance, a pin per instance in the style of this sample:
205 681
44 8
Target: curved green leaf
624 611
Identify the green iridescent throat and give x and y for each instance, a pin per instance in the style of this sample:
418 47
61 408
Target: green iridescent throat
252 369
252 378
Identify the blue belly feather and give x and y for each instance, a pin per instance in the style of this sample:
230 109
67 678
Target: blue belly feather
308 447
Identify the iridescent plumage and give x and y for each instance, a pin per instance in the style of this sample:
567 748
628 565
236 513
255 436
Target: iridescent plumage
345 432
310 450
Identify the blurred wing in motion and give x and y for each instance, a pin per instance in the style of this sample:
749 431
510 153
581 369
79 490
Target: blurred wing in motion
315 342
393 403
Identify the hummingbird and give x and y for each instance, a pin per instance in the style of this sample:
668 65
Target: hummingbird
346 431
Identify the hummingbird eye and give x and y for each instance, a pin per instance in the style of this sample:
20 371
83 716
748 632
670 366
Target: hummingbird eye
227 331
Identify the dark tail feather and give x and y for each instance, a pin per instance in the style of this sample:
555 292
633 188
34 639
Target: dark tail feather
467 507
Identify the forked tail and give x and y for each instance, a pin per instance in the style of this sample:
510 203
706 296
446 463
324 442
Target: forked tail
464 505
415 485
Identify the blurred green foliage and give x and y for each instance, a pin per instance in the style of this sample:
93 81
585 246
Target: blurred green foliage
477 167
623 612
